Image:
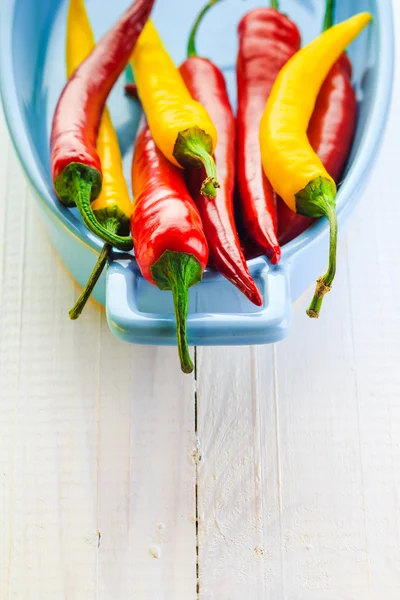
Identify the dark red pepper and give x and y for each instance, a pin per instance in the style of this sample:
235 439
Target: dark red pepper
331 133
170 245
76 168
207 85
267 39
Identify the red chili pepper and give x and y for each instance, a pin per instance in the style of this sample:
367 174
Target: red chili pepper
170 245
331 132
207 85
76 167
267 39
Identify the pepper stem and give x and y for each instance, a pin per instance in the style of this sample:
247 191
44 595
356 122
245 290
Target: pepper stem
81 192
178 271
191 49
79 185
324 284
76 311
328 20
193 148
318 199
275 4
80 304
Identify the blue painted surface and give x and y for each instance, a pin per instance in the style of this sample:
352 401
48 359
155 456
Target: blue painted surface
32 76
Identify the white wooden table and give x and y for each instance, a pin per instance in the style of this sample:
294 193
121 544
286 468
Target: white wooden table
274 473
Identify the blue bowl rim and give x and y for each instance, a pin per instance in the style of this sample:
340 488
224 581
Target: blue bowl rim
358 171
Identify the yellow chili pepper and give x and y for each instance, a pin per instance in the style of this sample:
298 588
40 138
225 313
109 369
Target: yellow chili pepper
289 162
180 126
113 206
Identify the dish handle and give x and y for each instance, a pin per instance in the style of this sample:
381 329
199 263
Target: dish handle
139 313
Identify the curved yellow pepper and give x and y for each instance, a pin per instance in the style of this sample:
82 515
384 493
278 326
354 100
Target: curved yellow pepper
180 126
289 162
113 206
288 159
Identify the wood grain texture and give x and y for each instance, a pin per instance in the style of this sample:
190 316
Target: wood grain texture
238 475
97 477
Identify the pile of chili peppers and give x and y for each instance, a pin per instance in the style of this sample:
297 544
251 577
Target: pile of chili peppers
281 156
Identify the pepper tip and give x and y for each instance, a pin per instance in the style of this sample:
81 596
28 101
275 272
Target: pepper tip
275 255
187 367
256 298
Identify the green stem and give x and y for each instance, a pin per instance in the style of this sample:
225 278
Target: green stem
80 304
191 48
330 8
324 284
64 184
178 271
81 194
193 149
275 4
318 199
111 225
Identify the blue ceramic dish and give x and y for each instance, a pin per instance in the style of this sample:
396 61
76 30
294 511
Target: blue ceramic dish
32 75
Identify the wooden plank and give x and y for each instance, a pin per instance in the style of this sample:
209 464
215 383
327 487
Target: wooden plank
93 433
46 374
323 519
322 412
146 481
374 294
238 474
316 439
274 426
7 413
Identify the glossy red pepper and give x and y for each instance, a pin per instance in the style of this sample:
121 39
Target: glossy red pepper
267 39
331 133
170 245
207 85
75 164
